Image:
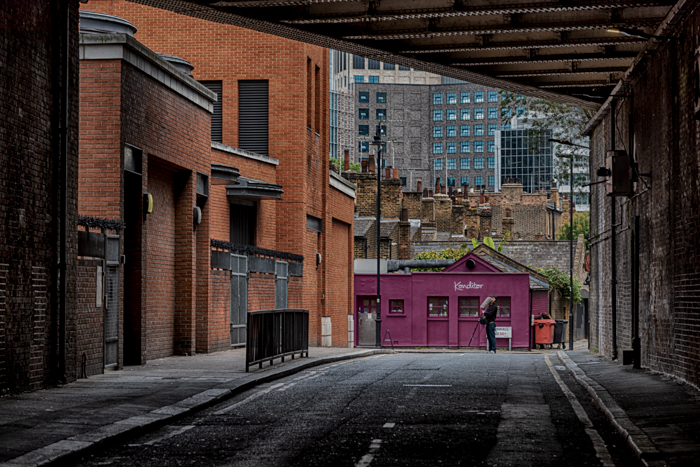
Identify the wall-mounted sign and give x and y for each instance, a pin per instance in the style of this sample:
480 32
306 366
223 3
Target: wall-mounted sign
471 285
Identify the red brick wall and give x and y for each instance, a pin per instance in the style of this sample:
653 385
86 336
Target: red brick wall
540 303
339 285
219 336
90 319
261 291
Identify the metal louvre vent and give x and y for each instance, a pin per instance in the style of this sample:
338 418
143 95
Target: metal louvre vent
253 113
217 115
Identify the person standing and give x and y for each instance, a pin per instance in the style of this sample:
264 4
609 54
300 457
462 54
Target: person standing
490 316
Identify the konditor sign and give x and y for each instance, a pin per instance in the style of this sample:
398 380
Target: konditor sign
441 309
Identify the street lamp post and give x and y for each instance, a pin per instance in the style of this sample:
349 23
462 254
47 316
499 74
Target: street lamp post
378 142
571 239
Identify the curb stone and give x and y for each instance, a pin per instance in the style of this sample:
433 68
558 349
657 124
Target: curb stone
640 443
122 429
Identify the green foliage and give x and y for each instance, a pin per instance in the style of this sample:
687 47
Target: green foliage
560 281
448 253
566 123
582 225
340 164
457 253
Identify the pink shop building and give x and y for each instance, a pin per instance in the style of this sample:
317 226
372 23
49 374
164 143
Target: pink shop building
440 309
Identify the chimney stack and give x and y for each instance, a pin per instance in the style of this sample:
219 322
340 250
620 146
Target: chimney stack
450 193
420 186
346 166
430 193
465 190
387 173
437 185
425 193
396 174
371 165
364 166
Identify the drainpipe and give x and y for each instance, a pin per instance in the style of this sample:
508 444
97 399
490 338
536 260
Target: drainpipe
613 262
63 66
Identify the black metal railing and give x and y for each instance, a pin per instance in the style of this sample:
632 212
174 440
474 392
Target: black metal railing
274 334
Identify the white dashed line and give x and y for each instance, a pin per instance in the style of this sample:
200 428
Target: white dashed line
389 425
367 458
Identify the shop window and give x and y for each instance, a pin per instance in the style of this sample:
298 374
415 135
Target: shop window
396 306
468 306
437 307
503 306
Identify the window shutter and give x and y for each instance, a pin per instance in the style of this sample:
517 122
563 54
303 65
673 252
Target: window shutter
217 116
253 116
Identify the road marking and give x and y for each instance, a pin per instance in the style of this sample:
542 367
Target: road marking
598 443
428 385
389 425
367 458
169 435
248 399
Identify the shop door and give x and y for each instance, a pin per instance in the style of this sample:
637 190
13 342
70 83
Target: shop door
239 299
366 320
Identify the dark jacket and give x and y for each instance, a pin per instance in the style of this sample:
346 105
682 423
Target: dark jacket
490 314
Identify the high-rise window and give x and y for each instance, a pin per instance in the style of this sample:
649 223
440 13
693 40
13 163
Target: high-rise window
464 98
437 163
451 131
491 162
492 129
372 64
437 98
389 66
464 163
478 130
478 147
506 126
464 130
491 146
505 113
363 146
450 181
363 130
478 114
464 181
464 147
381 98
381 129
404 68
363 114
437 115
437 149
478 97
492 180
358 63
493 96
519 111
381 114
451 98
363 97
465 114
373 79
451 114
437 132
478 163
478 181
451 164
451 149
359 79
493 112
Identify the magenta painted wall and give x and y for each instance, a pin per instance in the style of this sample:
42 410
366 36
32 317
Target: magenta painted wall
414 328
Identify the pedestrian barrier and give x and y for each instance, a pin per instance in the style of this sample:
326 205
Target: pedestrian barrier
274 334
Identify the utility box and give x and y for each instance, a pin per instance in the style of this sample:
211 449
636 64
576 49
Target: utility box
620 169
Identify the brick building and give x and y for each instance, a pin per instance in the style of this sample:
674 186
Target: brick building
270 123
38 215
645 260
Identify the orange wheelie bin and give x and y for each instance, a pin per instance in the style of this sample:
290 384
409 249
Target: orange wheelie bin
544 332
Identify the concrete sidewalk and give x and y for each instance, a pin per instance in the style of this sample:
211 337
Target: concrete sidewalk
658 416
46 426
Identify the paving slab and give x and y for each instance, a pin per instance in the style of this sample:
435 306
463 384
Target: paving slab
657 415
45 427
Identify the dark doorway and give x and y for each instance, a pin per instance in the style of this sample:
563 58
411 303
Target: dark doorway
243 218
133 217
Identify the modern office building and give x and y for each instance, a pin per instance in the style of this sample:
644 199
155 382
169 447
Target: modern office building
441 131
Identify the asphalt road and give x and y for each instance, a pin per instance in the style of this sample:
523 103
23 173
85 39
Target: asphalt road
403 409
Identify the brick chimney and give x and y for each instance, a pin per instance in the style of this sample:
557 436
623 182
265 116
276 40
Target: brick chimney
364 166
371 164
391 198
554 194
396 174
437 185
457 221
366 194
346 165
419 186
508 224
387 173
